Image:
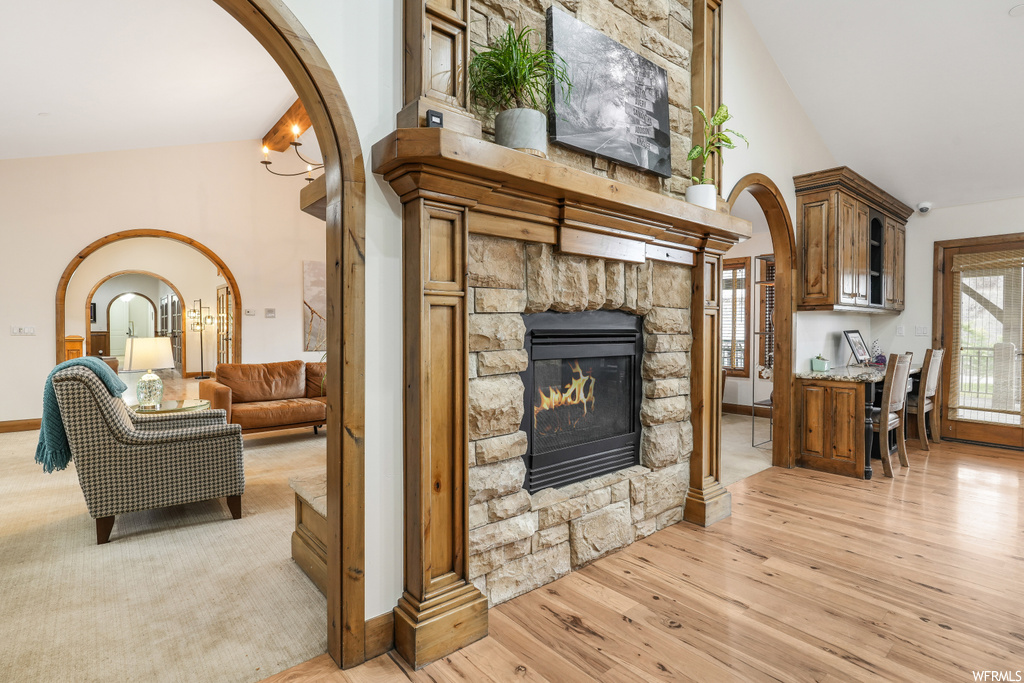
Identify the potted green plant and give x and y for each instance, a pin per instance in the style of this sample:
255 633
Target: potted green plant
703 191
819 364
515 80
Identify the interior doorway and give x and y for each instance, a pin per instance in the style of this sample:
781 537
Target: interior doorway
770 340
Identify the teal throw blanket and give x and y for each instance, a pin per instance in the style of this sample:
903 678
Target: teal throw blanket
53 452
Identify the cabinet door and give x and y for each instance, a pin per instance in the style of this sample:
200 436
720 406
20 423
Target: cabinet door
816 224
862 239
843 427
849 251
889 274
812 401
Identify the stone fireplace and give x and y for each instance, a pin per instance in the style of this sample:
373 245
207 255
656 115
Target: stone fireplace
590 335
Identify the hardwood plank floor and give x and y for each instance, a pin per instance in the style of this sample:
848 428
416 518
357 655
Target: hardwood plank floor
815 577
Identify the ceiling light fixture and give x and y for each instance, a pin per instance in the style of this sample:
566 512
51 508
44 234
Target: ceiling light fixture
310 165
1016 11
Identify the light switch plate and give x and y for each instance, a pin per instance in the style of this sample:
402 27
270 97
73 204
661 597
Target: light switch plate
921 331
269 312
901 331
250 312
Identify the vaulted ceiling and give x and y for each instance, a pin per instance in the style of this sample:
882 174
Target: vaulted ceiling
923 97
103 75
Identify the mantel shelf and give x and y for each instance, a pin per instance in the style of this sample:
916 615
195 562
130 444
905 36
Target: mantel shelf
541 195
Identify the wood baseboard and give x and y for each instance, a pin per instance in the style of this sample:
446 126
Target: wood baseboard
19 425
739 409
379 635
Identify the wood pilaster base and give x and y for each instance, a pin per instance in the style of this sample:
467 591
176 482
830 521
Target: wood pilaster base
705 506
426 631
414 115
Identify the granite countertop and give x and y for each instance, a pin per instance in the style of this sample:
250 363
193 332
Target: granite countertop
848 373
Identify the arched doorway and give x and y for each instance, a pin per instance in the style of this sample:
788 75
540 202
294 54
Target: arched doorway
133 319
290 45
780 225
88 321
80 257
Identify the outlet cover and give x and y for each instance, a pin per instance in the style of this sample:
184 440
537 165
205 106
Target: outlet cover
250 312
269 312
901 331
921 331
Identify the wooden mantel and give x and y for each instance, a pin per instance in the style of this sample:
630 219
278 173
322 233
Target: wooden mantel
452 185
537 195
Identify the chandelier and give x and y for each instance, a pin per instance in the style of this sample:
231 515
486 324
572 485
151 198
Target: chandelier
310 165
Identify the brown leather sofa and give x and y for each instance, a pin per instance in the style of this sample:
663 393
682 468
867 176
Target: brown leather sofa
263 397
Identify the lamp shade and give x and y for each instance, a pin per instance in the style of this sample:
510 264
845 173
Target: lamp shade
148 353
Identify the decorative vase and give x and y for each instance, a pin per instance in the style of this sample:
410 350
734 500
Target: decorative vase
705 195
523 129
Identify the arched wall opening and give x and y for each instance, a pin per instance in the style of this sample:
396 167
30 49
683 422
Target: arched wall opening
769 198
182 259
88 326
130 299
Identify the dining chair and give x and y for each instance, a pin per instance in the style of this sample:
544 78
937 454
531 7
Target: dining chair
927 398
890 415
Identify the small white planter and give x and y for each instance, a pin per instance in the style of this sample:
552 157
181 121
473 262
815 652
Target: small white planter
703 195
523 129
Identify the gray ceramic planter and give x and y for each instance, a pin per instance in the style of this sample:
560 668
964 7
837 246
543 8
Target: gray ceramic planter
522 129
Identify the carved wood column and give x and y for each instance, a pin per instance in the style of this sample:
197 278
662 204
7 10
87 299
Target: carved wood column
440 610
436 64
707 501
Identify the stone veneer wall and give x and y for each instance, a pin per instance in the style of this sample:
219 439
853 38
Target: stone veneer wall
659 30
518 541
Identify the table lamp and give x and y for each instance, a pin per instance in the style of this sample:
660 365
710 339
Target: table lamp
149 354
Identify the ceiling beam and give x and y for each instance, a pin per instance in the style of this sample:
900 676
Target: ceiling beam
281 135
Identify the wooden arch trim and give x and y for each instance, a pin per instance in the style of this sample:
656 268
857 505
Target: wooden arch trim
780 226
79 259
96 287
290 45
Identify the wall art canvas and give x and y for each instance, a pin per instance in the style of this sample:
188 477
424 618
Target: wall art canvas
314 305
619 103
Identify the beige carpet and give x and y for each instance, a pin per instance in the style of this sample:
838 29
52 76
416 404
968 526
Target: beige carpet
179 594
739 459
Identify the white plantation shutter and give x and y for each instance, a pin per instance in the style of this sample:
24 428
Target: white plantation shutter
988 302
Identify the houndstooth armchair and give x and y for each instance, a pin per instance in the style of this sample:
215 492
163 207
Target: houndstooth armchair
128 462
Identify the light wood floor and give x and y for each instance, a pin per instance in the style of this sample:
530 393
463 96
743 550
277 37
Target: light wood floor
814 578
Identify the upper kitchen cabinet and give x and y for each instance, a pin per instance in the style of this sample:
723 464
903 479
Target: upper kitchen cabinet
852 236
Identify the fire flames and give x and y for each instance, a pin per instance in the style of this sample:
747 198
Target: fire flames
578 392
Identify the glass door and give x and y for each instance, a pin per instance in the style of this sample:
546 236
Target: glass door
983 314
225 323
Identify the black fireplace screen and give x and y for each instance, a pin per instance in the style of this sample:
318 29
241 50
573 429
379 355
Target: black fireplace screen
579 401
583 396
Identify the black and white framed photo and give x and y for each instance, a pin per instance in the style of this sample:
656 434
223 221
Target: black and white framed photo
857 345
618 108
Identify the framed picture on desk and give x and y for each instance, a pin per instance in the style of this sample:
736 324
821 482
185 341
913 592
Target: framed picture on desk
860 349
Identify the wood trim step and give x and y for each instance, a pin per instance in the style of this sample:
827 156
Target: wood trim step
740 409
9 426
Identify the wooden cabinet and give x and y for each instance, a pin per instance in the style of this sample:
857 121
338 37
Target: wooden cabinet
74 346
832 426
851 235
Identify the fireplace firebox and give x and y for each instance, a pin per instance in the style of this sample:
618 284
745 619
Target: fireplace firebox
583 392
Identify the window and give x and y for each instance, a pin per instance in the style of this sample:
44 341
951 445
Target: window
736 317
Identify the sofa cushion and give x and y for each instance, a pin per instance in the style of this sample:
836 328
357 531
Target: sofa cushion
277 413
316 385
263 381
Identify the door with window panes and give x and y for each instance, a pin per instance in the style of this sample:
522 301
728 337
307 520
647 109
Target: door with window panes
736 317
983 324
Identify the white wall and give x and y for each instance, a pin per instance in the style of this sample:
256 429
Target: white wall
365 56
956 222
783 143
115 286
218 194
